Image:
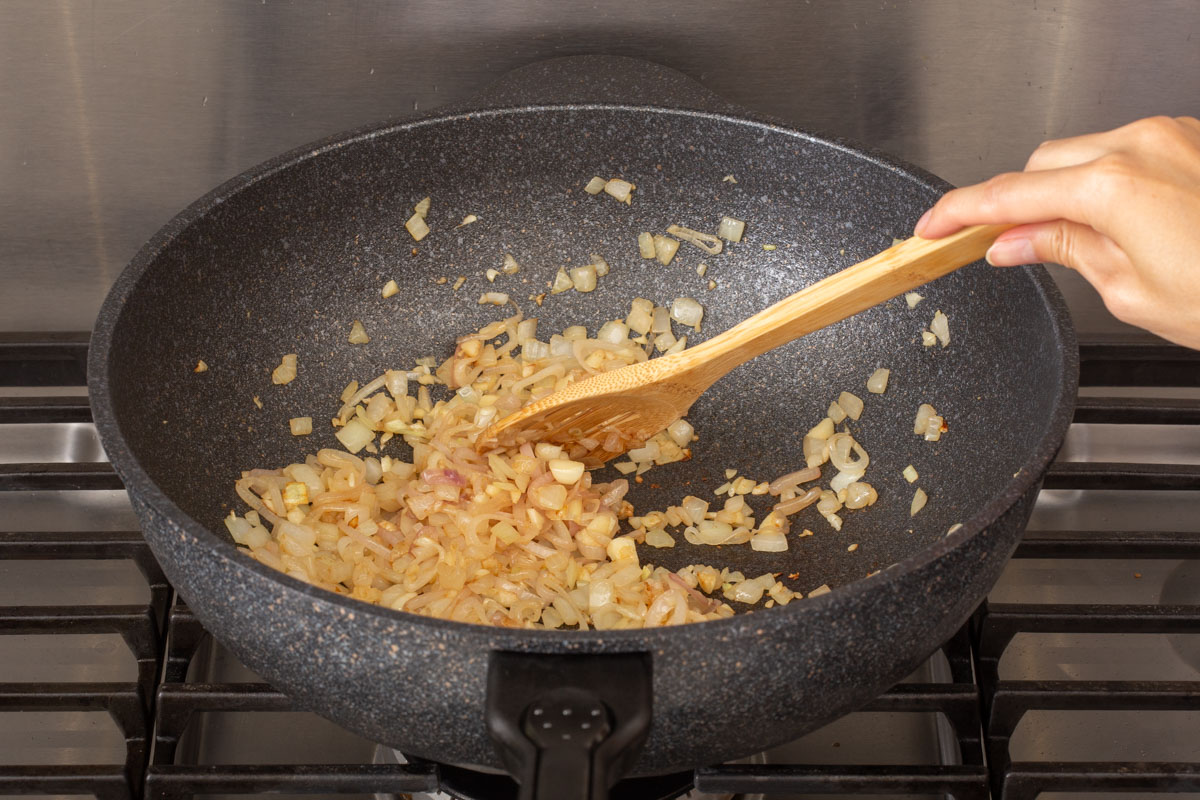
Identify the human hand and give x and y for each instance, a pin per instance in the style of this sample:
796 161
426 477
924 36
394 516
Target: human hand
1122 208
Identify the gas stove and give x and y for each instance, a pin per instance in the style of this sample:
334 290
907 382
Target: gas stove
1080 674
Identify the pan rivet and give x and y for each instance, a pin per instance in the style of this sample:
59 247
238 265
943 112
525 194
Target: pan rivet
538 711
566 712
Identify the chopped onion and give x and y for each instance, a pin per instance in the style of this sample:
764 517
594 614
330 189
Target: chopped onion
910 474
584 278
842 481
201 366
836 412
822 430
286 371
928 339
828 503
687 311
422 208
613 332
877 383
665 248
646 245
731 229
933 428
595 186
661 320
566 471
921 424
641 316
769 541
493 298
793 479
820 590
511 267
492 274
918 502
860 495
562 282
354 435
788 507
390 288
600 264
840 446
705 241
816 451
300 426
851 403
681 432
621 190
358 334
416 227
940 327
658 537
912 298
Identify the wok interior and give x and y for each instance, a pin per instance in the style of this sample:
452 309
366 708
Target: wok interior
287 263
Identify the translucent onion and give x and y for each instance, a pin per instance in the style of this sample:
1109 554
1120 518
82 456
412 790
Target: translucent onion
595 186
840 447
940 327
646 244
877 383
769 541
921 424
687 311
851 403
731 229
918 502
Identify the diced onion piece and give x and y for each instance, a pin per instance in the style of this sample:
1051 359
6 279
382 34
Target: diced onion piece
613 332
468 220
201 366
828 503
877 383
910 474
836 412
584 278
793 479
769 541
390 288
511 267
681 432
658 537
600 264
300 426
422 208
940 327
354 435
416 227
843 480
731 229
595 186
641 316
928 339
918 502
358 334
822 430
912 298
933 428
840 447
687 311
565 471
851 403
820 590
921 424
816 451
493 298
562 282
860 495
954 528
646 245
286 371
665 248
492 274
705 241
835 521
621 190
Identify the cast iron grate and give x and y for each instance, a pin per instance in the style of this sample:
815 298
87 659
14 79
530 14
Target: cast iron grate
155 709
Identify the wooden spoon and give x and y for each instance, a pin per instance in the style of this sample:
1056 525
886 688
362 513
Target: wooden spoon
639 400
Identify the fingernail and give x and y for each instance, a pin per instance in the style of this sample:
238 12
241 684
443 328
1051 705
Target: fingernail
1011 253
921 222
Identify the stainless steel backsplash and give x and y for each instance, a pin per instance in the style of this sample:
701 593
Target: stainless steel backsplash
115 115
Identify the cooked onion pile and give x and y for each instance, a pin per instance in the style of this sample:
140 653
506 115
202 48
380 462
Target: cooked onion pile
517 538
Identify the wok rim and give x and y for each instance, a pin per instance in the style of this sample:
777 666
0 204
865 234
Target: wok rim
139 483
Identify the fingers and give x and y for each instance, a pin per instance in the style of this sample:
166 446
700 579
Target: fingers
1013 197
1093 255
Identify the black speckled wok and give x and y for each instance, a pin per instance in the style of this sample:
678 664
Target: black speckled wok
284 257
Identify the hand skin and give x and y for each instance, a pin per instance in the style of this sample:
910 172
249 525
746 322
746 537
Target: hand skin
1122 208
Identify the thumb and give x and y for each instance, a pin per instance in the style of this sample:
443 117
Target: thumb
1071 244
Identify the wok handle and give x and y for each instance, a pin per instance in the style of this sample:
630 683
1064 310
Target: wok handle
568 726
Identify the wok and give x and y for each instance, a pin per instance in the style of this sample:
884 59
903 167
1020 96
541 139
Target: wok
285 256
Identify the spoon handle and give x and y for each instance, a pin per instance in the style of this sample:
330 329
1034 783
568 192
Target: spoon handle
902 267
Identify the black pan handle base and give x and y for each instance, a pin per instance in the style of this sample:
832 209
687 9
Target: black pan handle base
568 726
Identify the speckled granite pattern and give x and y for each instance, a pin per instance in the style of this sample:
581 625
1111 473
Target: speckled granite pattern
285 257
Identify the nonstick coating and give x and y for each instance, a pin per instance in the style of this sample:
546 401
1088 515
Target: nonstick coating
285 258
